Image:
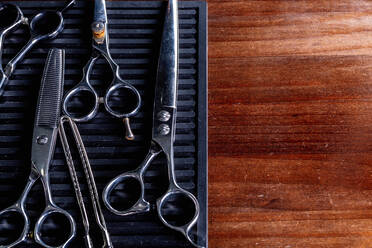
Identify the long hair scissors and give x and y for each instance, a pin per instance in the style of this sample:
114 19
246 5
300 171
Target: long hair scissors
43 144
45 25
118 87
163 132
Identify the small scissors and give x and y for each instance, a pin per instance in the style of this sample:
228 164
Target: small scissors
163 131
118 87
45 25
43 144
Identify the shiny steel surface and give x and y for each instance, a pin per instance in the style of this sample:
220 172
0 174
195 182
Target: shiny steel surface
37 35
100 219
163 131
100 44
43 144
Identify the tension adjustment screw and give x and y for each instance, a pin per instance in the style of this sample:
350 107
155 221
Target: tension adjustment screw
164 116
42 140
164 129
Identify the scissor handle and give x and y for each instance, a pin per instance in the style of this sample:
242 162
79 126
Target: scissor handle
141 205
52 18
48 211
117 85
41 19
14 17
84 85
81 87
19 19
174 189
12 23
17 208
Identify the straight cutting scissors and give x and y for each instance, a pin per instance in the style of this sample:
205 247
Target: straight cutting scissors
163 132
118 88
43 144
45 25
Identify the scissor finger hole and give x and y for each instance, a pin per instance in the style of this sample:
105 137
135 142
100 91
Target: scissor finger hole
9 14
80 104
178 209
46 23
11 227
54 230
122 101
125 194
195 235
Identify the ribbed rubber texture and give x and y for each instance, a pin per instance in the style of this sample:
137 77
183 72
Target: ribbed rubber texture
135 31
51 90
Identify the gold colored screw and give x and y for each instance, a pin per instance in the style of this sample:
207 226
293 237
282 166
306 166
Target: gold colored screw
30 235
98 29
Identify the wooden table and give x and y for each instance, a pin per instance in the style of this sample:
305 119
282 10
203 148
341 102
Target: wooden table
290 123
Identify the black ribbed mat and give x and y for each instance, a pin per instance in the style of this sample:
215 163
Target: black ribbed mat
135 29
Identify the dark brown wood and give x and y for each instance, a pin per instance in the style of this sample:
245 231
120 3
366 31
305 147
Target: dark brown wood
290 124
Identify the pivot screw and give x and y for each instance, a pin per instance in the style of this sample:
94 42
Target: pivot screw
164 129
30 235
164 116
98 29
42 140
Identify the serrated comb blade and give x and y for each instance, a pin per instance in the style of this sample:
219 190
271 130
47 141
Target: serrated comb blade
50 95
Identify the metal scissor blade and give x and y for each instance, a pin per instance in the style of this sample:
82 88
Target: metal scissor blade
48 111
50 95
100 13
165 102
99 27
167 75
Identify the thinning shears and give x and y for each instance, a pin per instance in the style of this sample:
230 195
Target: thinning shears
163 132
44 25
117 90
43 144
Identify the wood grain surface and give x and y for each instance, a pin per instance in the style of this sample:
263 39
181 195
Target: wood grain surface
290 124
